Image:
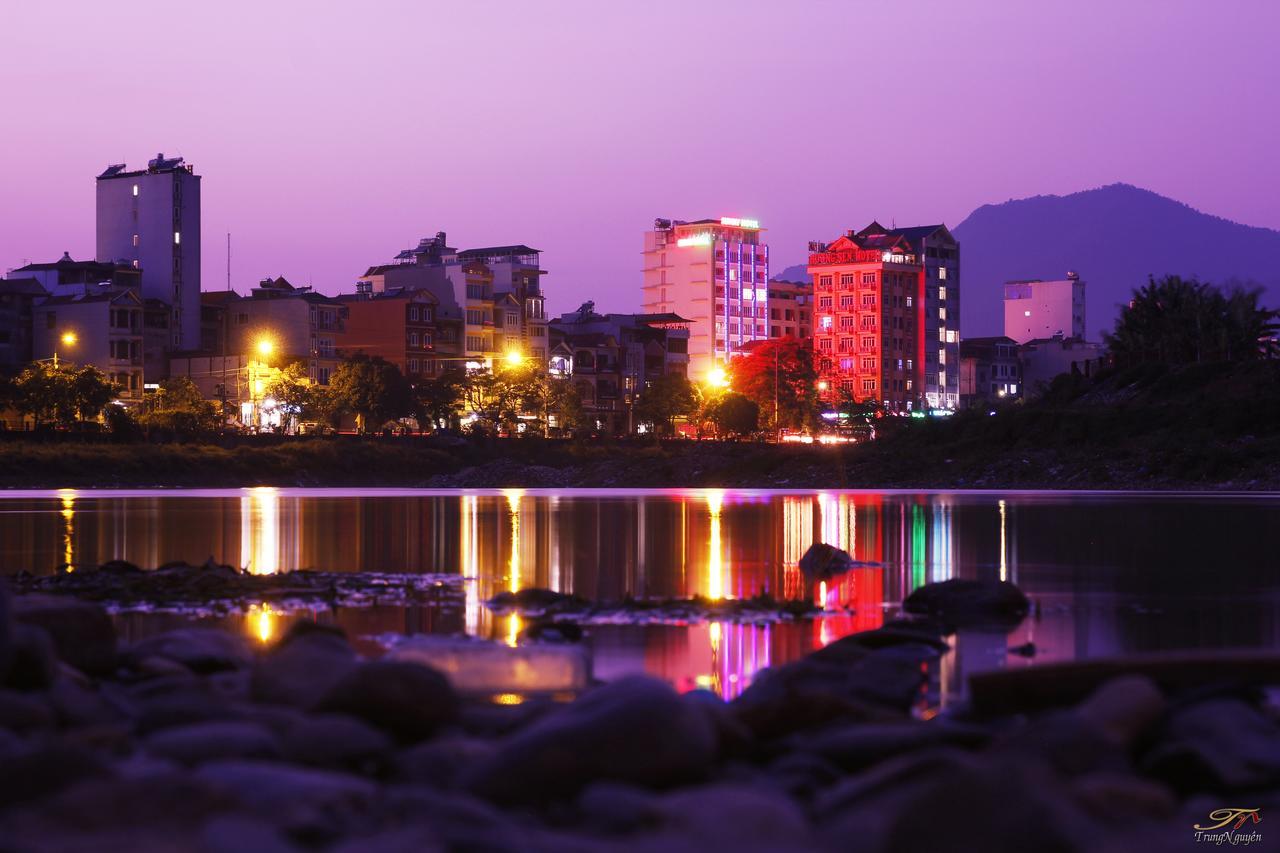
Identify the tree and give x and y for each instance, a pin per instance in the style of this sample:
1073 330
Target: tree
62 394
179 409
1179 321
735 415
300 397
438 400
501 395
779 372
666 398
372 389
562 399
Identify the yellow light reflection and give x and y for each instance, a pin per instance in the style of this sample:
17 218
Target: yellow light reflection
715 561
260 531
508 699
1004 567
513 568
68 527
261 622
717 684
471 564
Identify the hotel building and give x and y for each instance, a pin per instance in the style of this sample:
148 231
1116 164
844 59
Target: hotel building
887 316
714 273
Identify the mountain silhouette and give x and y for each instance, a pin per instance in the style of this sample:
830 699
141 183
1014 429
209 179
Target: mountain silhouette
1114 237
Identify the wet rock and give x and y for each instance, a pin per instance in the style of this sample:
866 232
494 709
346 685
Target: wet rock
969 603
337 742
1222 744
78 704
440 762
1119 798
633 730
552 631
237 834
855 685
302 667
311 805
405 839
33 661
155 713
461 821
81 632
732 735
803 774
1067 742
885 637
535 601
6 628
610 808
822 562
201 742
202 650
45 769
409 701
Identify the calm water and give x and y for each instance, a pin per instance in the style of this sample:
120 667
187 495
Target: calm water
1112 573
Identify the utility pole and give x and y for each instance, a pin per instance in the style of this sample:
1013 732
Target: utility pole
777 425
226 308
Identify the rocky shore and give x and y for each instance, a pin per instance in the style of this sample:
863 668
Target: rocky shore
196 740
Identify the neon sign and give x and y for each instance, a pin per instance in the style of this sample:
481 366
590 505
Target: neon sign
703 239
735 222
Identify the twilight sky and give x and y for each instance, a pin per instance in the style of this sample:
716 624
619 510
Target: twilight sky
330 135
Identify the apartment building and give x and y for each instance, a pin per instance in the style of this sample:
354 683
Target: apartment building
612 357
18 297
297 323
886 318
790 309
990 371
714 273
150 219
102 327
1044 309
495 291
402 327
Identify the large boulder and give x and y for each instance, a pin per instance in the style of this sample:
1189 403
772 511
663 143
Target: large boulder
409 701
822 562
337 742
81 632
302 667
634 730
198 743
1223 744
962 603
201 650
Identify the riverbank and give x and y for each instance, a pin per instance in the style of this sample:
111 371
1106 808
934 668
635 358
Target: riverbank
199 739
1214 427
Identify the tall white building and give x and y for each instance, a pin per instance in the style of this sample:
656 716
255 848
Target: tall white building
714 273
1044 309
150 219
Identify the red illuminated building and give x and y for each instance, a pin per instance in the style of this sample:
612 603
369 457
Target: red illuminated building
886 316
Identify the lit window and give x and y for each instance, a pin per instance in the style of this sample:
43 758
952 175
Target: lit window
942 313
177 238
942 335
942 274
1026 313
135 240
135 190
942 292
951 336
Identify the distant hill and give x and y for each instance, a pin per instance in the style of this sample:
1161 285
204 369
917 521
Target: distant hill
1114 236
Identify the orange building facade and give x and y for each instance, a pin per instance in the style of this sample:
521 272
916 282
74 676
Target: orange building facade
401 327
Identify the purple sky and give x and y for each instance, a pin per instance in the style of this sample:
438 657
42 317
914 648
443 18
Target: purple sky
329 140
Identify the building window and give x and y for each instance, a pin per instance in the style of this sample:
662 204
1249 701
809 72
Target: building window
413 339
846 278
942 335
177 238
942 292
413 313
942 313
868 278
951 336
868 300
135 190
869 364
427 339
513 319
908 301
824 322
942 274
135 241
868 385
942 356
242 319
824 280
51 320
868 342
824 344
475 317
824 302
413 365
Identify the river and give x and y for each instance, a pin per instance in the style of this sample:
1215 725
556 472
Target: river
1110 573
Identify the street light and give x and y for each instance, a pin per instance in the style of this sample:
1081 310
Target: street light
68 340
265 347
514 358
718 378
822 386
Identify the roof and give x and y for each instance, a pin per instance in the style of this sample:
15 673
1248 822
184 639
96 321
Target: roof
488 251
67 263
82 298
22 286
913 234
159 163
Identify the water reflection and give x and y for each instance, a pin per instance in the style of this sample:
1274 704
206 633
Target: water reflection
1113 573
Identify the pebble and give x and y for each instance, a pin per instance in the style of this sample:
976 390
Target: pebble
409 701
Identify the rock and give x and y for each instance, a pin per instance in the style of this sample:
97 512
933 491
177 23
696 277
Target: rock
1221 744
337 742
195 705
302 667
1119 798
610 808
202 650
1124 707
409 701
25 712
6 628
822 562
43 770
970 603
882 638
861 745
803 774
461 821
198 743
730 817
634 730
441 761
310 804
406 839
33 661
535 601
236 834
81 632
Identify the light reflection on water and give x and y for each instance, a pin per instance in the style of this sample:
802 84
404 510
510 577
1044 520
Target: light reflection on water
1112 573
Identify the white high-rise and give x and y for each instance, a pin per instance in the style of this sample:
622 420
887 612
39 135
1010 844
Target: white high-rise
1038 309
714 273
150 218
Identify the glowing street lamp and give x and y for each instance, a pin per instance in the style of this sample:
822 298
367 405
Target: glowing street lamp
68 339
265 347
822 386
514 358
718 378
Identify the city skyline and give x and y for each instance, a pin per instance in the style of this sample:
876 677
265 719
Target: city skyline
328 145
